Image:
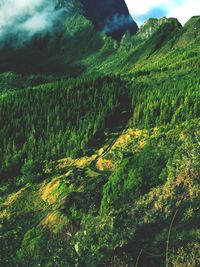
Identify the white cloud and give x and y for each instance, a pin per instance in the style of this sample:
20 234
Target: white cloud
142 7
185 10
24 18
181 9
12 11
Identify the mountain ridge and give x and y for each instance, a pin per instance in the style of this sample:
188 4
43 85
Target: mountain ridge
61 53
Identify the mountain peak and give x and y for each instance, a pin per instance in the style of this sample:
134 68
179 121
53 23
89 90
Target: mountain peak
153 24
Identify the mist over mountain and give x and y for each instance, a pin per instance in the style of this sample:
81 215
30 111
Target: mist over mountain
21 20
51 36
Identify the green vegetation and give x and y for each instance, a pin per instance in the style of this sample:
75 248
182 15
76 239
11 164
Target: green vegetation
57 122
104 169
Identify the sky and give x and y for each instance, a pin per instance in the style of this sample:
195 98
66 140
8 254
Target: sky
183 10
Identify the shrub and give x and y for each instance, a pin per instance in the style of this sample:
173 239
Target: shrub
32 171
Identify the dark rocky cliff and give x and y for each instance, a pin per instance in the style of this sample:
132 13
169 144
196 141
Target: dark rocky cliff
110 16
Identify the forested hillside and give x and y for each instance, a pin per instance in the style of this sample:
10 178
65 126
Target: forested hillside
100 148
58 119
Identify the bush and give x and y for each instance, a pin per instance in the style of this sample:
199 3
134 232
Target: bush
32 171
32 247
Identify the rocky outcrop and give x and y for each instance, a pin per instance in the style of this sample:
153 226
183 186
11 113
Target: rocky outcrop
153 24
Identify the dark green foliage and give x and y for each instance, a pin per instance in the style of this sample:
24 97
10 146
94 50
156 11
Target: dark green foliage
32 171
57 119
32 243
125 184
161 101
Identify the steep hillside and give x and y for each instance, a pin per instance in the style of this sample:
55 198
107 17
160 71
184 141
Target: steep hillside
109 207
98 165
99 144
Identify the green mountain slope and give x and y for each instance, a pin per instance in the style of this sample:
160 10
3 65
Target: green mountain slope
99 161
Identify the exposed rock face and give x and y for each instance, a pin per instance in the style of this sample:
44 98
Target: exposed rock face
110 16
153 24
158 29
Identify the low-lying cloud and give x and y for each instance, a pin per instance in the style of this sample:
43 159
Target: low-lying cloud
117 22
22 19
